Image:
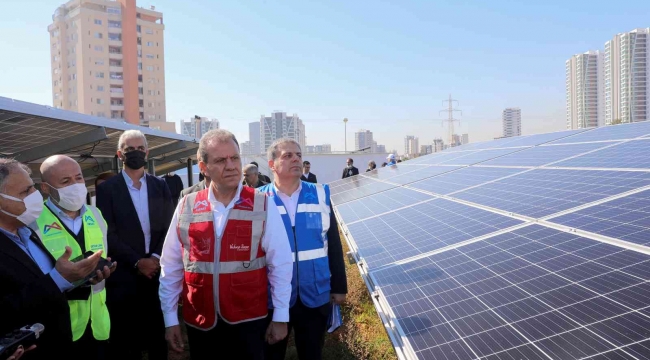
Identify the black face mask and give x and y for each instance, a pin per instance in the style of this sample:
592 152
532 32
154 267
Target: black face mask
135 159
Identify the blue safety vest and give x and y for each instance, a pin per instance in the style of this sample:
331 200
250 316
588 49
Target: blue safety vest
311 270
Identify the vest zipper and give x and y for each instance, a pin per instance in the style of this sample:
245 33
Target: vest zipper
295 244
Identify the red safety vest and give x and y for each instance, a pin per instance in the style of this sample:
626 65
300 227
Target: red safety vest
241 284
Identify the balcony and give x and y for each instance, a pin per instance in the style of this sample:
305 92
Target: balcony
117 107
115 68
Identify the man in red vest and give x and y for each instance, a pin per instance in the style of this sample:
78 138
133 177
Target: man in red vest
225 245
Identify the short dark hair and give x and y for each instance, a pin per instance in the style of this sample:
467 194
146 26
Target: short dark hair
103 177
350 160
254 163
306 163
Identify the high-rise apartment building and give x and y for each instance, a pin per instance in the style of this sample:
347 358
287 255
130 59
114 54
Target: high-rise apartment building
197 126
464 139
585 102
438 145
411 146
626 74
511 122
318 149
363 139
279 125
108 60
254 138
426 149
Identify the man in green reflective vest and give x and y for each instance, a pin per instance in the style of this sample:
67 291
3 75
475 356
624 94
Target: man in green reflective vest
67 222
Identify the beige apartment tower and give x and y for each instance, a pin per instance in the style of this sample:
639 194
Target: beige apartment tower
108 60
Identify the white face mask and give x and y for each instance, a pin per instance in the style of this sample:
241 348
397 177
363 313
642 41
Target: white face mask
33 207
71 197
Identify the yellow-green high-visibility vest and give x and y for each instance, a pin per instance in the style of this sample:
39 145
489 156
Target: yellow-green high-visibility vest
55 238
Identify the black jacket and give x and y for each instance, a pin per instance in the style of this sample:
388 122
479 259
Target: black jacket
350 172
192 189
125 235
27 296
310 179
338 281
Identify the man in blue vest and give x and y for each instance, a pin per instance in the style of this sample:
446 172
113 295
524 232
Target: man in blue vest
319 278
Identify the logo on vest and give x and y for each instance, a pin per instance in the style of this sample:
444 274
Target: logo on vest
310 196
245 204
95 247
241 247
201 205
89 220
53 226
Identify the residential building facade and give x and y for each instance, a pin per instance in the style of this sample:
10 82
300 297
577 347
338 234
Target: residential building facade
279 125
197 126
511 118
585 101
411 146
107 60
364 139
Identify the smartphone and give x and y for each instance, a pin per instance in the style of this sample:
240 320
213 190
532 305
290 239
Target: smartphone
100 266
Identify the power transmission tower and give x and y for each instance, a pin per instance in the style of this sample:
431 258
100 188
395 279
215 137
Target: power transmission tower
450 120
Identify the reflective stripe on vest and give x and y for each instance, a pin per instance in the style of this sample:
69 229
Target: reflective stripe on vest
311 275
55 238
201 248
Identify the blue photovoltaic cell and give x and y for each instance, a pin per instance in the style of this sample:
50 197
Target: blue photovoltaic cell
608 133
346 184
480 156
626 218
359 187
533 293
543 192
439 158
538 139
422 228
380 203
462 179
632 154
392 171
542 155
421 174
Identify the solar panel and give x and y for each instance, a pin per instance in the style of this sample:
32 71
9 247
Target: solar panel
632 154
392 171
533 293
422 228
380 203
536 247
358 188
463 179
402 175
543 192
626 218
542 155
610 133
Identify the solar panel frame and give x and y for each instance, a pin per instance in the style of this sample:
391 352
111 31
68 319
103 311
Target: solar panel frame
511 314
464 178
610 133
546 154
377 204
627 155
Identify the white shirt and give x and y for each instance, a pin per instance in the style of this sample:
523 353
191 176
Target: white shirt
290 202
140 200
73 224
275 243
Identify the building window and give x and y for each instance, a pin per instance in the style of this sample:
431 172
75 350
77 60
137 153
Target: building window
140 91
148 31
114 37
149 68
151 104
99 75
100 88
149 43
99 35
99 48
139 66
100 101
151 117
98 22
150 56
150 92
99 61
138 28
112 10
114 24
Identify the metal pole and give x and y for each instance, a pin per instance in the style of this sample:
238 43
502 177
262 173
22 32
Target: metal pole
345 122
190 173
152 167
115 169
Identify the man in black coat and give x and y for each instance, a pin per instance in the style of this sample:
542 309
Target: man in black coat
306 174
350 170
33 284
138 210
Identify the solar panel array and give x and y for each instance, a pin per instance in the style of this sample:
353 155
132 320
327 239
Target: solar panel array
535 247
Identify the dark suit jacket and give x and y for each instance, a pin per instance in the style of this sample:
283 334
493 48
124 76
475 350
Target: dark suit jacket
192 189
125 236
310 179
27 296
355 171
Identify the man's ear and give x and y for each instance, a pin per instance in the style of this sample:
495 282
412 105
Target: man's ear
271 165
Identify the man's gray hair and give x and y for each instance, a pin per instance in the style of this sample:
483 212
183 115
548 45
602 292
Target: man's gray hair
8 167
248 167
272 152
214 136
131 134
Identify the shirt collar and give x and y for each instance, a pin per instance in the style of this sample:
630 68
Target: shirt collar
23 234
129 181
212 199
59 212
277 191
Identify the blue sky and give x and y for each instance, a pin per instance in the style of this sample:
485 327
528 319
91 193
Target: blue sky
385 65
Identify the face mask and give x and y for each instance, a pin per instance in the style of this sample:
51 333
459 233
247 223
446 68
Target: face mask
33 207
71 197
135 159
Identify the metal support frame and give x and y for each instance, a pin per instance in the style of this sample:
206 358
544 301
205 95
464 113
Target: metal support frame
177 156
61 145
190 173
175 146
115 167
151 165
